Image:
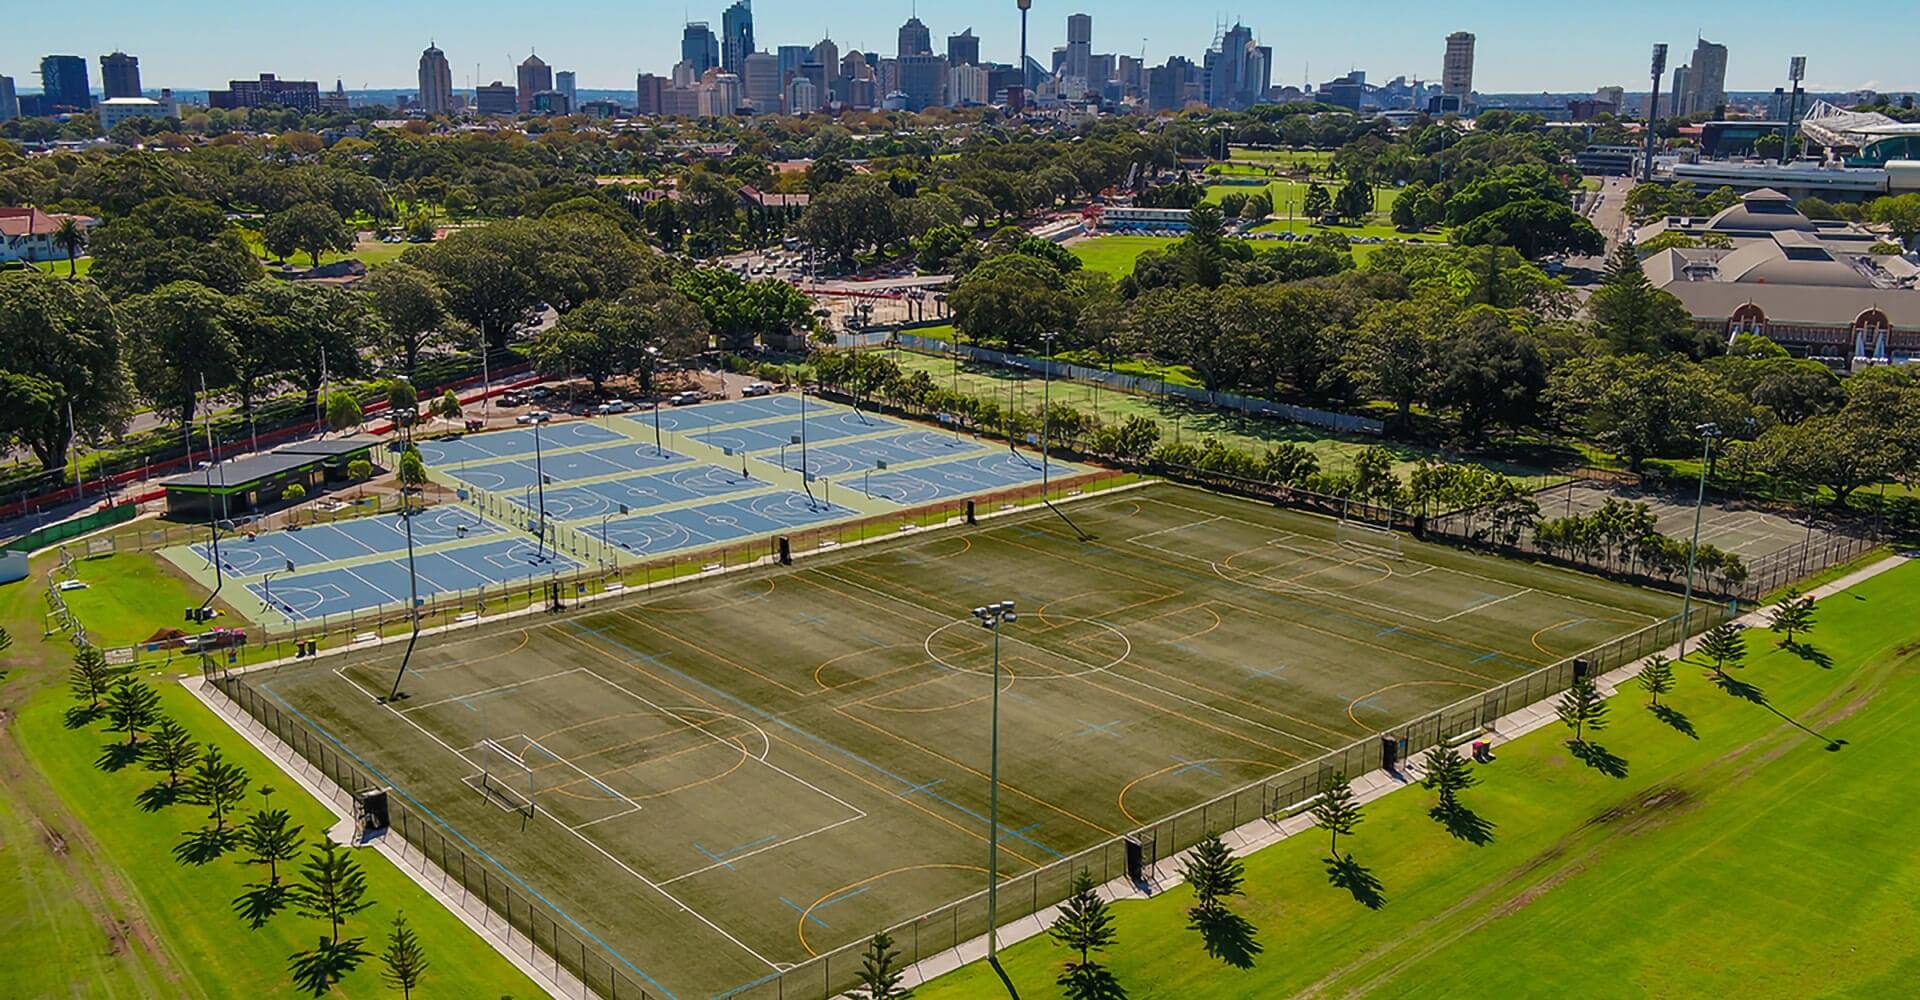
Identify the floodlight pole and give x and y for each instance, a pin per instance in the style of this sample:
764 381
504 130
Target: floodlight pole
540 482
992 617
1046 412
653 365
1707 432
213 523
413 595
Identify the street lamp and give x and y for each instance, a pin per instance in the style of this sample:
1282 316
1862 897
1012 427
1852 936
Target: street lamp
1707 433
653 365
266 582
603 533
992 617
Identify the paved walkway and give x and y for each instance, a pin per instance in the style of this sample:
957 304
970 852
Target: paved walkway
1250 837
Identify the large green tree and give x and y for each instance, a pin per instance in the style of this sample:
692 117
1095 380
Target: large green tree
412 311
181 338
61 347
1636 318
1010 300
310 228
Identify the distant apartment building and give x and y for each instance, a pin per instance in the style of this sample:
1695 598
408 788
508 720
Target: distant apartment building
1456 68
532 77
9 100
802 97
647 94
967 86
119 75
963 49
114 110
760 79
436 81
567 83
267 92
496 98
736 37
63 85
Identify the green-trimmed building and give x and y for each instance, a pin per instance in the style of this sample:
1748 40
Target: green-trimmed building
244 485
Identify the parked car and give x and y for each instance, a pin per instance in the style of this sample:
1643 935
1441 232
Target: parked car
756 389
684 398
513 398
533 417
539 392
612 406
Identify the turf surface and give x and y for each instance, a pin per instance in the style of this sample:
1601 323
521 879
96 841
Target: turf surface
1738 855
757 770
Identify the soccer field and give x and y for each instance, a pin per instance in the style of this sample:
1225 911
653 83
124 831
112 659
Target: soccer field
734 777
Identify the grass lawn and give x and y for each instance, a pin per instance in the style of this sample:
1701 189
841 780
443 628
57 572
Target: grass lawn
372 253
189 902
1314 158
59 269
94 903
1115 254
1740 853
130 595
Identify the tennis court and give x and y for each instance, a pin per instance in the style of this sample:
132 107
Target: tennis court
713 523
344 589
1749 532
579 503
706 415
859 456
565 466
494 445
994 470
731 777
825 425
271 551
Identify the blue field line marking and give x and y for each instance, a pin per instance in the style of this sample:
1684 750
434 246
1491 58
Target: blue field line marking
1101 729
1194 765
1488 655
1387 631
920 788
817 907
797 908
796 730
475 848
721 858
1005 832
715 858
810 618
744 987
1365 703
1253 674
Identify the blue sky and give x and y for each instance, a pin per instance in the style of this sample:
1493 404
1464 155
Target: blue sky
1523 46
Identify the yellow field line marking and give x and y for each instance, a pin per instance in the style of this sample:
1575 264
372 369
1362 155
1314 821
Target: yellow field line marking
1121 799
801 929
1442 683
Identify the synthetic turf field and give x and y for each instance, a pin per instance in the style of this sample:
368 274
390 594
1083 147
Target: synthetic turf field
1749 532
735 776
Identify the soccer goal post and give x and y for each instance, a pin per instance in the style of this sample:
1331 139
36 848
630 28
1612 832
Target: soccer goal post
1368 538
506 778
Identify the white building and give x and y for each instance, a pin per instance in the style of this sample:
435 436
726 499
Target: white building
115 110
27 234
967 85
803 98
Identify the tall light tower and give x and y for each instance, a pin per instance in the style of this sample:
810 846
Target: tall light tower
991 617
1653 107
1024 5
1796 72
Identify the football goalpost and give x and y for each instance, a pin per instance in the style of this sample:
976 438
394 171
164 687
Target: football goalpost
506 779
1368 538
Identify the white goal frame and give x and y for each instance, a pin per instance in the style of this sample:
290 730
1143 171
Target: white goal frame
1369 538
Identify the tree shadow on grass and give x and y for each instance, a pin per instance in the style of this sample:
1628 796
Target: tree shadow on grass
1810 653
260 902
1598 757
1227 936
117 756
1464 824
82 716
1346 873
1739 688
198 847
316 971
157 797
1675 718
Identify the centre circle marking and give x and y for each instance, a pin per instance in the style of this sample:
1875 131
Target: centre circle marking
988 672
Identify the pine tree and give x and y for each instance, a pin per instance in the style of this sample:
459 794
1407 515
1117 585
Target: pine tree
1582 708
1213 872
1448 774
1656 678
1086 926
1724 644
1337 810
270 837
216 784
1793 614
404 959
879 976
171 750
332 887
89 677
132 706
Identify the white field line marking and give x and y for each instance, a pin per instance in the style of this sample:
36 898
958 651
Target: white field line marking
493 690
629 869
761 850
1486 604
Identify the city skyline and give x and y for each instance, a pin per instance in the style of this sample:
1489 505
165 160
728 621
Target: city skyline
1516 52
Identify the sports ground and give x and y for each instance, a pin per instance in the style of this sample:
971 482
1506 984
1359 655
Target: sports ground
736 776
615 491
1748 532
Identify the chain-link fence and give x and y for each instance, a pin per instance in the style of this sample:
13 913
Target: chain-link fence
568 951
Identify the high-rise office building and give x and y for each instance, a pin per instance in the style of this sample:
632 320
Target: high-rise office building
267 92
63 84
789 58
119 75
9 100
963 49
436 81
736 36
923 78
1682 79
915 39
496 99
827 54
967 85
760 82
1234 75
802 97
1079 49
699 47
566 83
1706 91
1456 69
534 76
647 94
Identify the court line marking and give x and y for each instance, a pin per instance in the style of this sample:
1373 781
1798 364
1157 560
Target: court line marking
492 690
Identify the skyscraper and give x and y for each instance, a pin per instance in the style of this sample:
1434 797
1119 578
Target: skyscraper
533 77
789 58
564 82
120 75
63 84
647 92
9 101
1456 70
1235 76
736 36
1706 79
1079 49
761 82
827 55
963 49
923 78
915 39
436 81
699 48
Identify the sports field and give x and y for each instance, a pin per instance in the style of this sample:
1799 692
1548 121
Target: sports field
1749 532
736 776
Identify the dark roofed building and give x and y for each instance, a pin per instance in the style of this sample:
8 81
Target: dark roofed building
242 485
